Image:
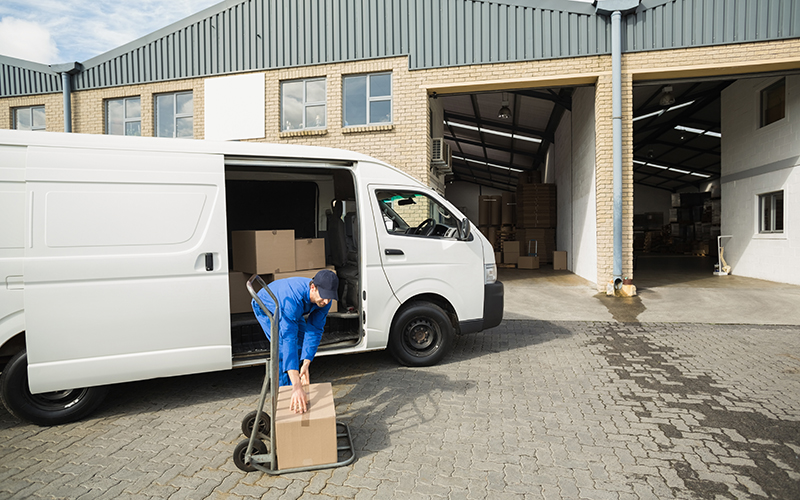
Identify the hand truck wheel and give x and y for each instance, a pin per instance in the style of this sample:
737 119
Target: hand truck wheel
259 448
249 420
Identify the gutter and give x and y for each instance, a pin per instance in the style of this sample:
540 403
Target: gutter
67 70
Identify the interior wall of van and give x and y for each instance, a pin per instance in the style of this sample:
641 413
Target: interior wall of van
303 200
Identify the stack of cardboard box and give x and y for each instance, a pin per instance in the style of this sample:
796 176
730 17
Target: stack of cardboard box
536 217
496 219
273 254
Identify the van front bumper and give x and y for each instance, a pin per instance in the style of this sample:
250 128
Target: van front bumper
492 310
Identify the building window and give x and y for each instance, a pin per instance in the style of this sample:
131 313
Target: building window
367 99
124 116
773 102
303 104
175 115
30 118
771 212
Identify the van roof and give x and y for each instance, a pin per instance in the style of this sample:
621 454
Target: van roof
228 148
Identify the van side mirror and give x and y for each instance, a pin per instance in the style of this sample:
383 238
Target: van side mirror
463 229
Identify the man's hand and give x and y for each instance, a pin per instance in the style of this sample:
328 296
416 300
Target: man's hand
305 376
299 401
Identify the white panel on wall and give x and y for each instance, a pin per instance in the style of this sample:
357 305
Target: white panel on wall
234 107
584 199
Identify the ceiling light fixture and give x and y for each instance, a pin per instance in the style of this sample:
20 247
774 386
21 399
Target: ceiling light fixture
505 111
667 99
493 132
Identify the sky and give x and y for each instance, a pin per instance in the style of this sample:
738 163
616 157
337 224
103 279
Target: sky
62 31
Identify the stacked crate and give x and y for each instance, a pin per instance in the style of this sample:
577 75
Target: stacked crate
695 223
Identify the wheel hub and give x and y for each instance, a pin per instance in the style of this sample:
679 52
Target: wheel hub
420 334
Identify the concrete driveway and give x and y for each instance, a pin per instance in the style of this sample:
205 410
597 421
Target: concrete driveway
673 289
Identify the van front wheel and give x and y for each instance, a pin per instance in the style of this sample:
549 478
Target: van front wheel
49 408
421 335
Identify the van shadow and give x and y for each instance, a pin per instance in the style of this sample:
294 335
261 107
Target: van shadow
391 406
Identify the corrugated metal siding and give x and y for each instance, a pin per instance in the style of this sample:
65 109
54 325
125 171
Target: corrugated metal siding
693 23
459 32
260 34
19 78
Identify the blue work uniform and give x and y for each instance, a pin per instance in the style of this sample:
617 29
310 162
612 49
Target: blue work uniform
301 323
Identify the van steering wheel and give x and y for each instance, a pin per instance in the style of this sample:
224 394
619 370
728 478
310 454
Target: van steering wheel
426 227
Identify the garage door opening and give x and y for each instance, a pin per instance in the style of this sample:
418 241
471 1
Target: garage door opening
520 150
677 160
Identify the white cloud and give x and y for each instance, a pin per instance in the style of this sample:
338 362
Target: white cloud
78 30
27 40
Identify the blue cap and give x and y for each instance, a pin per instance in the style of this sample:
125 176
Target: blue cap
327 284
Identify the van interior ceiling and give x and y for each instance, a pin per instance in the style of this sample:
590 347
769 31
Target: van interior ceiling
308 200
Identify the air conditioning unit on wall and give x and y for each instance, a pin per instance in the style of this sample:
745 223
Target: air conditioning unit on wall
441 159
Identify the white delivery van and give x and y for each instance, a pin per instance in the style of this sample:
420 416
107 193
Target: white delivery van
114 253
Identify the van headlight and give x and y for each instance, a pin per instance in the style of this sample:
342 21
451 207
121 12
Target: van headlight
490 274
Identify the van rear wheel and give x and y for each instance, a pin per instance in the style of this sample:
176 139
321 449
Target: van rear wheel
49 408
421 335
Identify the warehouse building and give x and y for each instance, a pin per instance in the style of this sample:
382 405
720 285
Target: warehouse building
486 101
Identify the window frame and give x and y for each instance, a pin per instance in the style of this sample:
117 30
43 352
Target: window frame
306 104
368 100
769 216
30 109
175 114
763 96
125 119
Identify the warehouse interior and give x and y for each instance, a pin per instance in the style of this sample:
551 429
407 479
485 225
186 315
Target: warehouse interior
523 173
500 143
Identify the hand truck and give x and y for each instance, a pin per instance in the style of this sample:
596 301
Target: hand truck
253 454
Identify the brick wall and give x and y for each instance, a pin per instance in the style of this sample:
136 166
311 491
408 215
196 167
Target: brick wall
53 109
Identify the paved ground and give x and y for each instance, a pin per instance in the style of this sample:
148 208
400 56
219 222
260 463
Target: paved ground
531 409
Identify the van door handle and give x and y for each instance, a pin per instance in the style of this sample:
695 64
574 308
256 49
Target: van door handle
394 251
209 261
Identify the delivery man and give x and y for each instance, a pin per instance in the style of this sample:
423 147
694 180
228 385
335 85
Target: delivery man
304 307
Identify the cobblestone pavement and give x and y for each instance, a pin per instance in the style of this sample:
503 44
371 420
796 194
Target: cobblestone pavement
531 409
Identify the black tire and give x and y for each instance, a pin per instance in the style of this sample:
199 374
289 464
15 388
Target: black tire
249 421
50 408
259 448
421 335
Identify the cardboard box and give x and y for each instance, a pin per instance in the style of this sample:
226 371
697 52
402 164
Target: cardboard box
528 262
510 257
306 439
263 252
237 290
559 260
308 273
511 246
309 253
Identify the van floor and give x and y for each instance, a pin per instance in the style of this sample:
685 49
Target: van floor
247 336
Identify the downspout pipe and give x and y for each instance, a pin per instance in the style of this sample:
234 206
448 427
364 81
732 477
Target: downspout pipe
616 8
67 70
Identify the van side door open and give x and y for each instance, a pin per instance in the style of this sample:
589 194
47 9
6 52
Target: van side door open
126 274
